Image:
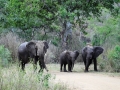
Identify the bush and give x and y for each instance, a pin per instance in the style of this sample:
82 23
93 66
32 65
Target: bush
11 41
5 56
114 58
105 32
112 62
12 78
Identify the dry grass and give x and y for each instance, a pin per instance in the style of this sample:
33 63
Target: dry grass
11 41
13 78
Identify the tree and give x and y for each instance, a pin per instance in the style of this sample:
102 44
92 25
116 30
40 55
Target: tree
51 14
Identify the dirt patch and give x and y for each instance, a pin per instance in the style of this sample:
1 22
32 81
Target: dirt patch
88 81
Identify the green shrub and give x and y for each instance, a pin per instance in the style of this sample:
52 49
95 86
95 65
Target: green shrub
106 33
55 41
114 58
5 56
11 41
12 78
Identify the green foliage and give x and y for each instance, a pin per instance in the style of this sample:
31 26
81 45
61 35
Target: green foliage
116 52
2 14
112 61
106 29
45 79
96 40
114 57
56 41
107 34
13 78
5 56
48 14
29 13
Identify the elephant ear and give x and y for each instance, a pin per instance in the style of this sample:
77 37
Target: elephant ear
84 49
31 47
76 54
46 44
97 51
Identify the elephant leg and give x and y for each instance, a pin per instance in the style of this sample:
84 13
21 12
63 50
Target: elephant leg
35 62
19 63
43 64
35 65
90 62
95 65
72 66
23 66
65 68
61 67
87 65
69 67
84 60
41 67
46 68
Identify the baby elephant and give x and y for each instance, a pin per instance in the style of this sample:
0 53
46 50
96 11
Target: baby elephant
68 57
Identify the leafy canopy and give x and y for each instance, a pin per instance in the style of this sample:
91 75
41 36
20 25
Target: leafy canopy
26 14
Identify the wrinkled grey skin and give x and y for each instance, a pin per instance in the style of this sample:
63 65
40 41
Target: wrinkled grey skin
90 54
68 57
35 51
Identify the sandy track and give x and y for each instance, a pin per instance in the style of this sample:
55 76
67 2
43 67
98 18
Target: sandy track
88 81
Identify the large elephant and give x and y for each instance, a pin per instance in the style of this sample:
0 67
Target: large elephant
89 54
68 57
35 51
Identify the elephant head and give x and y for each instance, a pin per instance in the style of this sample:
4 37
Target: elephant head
68 57
32 49
89 54
35 50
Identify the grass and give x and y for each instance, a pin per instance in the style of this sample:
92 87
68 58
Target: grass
12 78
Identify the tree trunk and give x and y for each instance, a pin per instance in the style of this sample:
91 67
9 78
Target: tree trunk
66 35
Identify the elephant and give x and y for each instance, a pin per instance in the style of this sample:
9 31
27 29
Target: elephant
68 57
35 51
90 54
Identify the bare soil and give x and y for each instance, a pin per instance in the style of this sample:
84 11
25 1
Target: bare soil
80 80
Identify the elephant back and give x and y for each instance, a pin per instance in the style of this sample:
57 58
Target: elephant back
22 47
64 55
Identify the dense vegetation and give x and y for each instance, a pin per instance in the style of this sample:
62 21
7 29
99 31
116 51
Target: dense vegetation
62 22
107 34
66 24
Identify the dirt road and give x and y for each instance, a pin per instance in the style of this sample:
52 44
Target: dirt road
88 81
